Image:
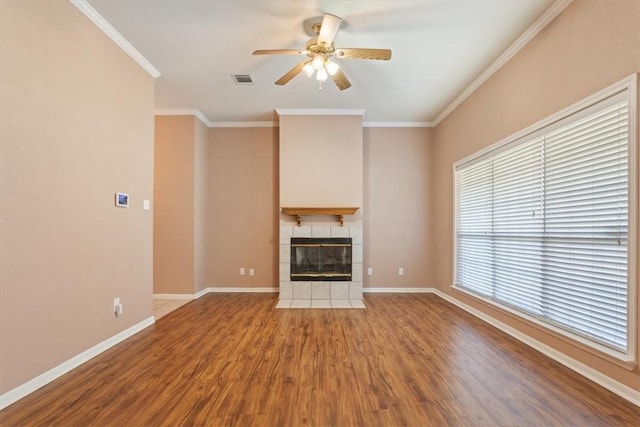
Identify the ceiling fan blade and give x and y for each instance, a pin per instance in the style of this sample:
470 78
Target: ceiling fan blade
341 80
290 74
357 53
278 52
329 28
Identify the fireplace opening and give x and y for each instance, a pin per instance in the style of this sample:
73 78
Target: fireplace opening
320 259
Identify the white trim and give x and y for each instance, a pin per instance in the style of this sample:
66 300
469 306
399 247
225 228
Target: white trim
241 289
174 296
208 123
183 112
200 293
398 124
214 290
549 15
200 115
633 218
41 380
597 377
243 124
275 124
320 111
398 290
114 35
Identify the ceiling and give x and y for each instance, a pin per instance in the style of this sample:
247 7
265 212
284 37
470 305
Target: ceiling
439 49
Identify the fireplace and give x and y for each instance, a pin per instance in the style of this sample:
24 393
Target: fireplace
320 259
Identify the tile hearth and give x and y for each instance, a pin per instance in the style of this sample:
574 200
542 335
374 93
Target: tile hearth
297 303
320 294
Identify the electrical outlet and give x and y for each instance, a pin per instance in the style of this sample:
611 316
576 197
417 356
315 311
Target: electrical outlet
117 307
251 272
369 271
401 271
242 271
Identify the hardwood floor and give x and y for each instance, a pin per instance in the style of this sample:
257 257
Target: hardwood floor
406 360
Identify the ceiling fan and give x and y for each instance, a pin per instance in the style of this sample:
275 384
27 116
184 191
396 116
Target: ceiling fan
320 50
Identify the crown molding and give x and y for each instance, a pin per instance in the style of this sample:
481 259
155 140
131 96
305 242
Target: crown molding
244 125
183 112
320 111
208 123
548 16
114 35
398 124
275 124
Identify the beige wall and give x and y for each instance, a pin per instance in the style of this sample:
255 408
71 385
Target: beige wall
76 126
180 192
174 195
242 207
242 225
591 45
397 218
320 160
201 183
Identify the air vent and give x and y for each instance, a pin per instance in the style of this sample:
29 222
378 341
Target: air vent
242 79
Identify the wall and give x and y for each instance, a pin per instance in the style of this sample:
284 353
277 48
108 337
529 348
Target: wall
241 219
397 190
589 46
76 126
200 215
314 146
174 196
242 207
180 192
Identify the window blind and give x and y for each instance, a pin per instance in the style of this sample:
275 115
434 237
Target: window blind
542 224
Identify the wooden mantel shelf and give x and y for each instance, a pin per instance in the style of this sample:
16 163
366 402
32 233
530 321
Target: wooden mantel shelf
300 212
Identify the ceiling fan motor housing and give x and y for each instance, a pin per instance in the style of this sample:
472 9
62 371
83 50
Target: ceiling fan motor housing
313 48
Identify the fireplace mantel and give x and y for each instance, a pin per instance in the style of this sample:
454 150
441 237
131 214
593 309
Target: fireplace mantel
299 212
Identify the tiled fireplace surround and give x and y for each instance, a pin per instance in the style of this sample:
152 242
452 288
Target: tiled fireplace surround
320 294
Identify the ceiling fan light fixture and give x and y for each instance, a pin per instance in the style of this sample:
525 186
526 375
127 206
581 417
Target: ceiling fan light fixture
308 69
322 75
331 67
317 62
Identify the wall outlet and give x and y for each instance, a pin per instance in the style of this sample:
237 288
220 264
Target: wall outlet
369 271
401 271
242 271
117 307
251 272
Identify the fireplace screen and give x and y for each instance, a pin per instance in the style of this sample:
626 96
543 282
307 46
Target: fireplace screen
324 259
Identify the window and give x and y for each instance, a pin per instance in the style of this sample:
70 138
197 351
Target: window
543 222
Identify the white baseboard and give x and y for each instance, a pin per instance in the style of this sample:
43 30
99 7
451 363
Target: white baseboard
226 289
201 293
41 380
174 296
241 289
398 290
597 377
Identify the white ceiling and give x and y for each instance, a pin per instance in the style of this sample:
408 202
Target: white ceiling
439 49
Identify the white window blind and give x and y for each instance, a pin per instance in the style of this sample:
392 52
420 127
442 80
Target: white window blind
542 224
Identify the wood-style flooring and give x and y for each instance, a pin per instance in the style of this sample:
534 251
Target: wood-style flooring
234 360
